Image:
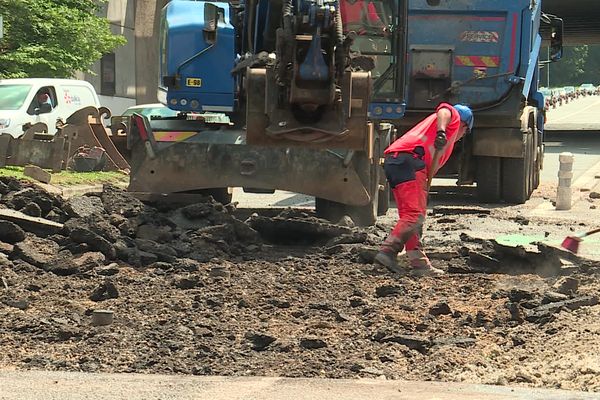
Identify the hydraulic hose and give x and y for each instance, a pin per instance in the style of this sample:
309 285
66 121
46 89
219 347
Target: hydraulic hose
284 42
250 22
288 14
340 61
288 8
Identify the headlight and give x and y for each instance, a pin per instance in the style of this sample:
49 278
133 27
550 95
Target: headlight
4 123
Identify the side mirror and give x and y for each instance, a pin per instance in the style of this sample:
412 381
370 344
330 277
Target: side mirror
556 38
212 14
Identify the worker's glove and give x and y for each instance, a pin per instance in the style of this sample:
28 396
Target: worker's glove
440 140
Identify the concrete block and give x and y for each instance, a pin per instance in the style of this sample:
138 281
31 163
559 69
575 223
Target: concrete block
35 172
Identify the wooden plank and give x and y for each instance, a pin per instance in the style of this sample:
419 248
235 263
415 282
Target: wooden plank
37 225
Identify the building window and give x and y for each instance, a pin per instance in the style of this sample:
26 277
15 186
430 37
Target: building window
107 75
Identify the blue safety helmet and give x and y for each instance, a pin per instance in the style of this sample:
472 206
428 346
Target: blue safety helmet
466 115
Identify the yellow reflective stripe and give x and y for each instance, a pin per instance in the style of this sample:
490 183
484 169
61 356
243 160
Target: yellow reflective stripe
172 136
490 61
465 60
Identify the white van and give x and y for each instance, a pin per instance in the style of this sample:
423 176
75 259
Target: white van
33 100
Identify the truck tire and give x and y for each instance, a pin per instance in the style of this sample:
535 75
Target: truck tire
329 210
383 201
516 176
489 179
538 166
222 195
532 165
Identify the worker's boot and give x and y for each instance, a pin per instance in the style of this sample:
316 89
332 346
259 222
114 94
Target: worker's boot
388 253
421 266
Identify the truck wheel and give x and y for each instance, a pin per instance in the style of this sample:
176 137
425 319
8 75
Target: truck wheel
516 173
538 166
489 178
383 200
532 164
221 195
329 210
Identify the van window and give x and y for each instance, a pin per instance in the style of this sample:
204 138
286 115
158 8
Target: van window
43 102
77 96
12 97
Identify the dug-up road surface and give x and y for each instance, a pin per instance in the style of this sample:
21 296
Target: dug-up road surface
211 290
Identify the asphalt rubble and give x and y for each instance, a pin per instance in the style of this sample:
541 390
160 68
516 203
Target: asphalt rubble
207 289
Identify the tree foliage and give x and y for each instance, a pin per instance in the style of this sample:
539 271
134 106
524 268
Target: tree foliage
579 64
52 38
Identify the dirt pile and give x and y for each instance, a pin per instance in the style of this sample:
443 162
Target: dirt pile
202 290
76 235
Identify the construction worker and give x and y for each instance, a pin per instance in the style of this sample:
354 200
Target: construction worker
44 99
360 16
410 163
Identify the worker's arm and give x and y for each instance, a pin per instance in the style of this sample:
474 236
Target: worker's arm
444 116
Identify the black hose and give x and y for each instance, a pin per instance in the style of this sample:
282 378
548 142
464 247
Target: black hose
284 42
340 61
288 14
339 28
251 16
288 8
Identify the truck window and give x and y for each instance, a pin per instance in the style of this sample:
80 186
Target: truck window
43 102
373 24
12 97
78 96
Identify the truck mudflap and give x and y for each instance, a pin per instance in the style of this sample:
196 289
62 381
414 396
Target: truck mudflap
193 164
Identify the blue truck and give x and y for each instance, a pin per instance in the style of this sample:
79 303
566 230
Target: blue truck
305 95
485 54
275 94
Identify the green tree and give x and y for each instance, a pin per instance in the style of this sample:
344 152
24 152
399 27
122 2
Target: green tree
592 66
571 67
53 38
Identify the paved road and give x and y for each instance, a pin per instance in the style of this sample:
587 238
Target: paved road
79 386
573 127
578 114
585 145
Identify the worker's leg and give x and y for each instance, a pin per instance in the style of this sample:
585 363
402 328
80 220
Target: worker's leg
415 253
414 248
400 172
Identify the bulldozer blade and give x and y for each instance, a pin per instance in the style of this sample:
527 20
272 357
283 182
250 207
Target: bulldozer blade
90 131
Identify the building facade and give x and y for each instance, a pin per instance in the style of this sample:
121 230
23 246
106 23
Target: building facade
129 75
